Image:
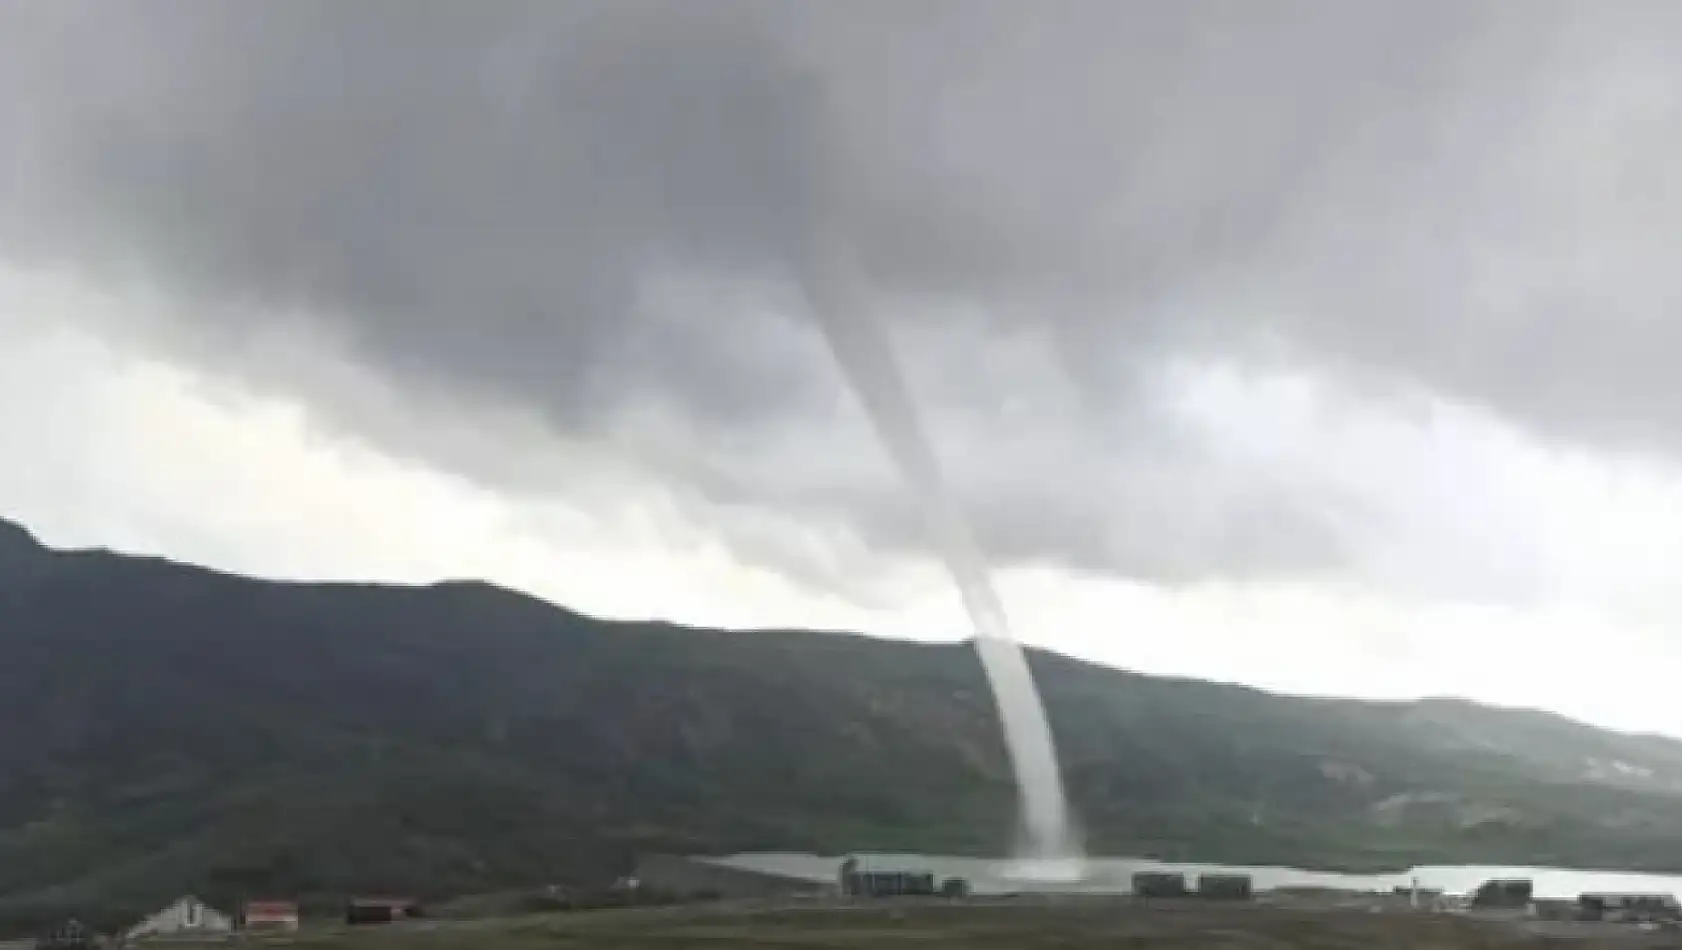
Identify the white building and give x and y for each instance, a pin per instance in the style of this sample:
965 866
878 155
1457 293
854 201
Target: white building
187 916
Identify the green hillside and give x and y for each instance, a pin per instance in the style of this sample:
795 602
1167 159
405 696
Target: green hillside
171 729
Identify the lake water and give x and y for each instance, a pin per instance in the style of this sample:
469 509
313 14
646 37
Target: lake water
1115 875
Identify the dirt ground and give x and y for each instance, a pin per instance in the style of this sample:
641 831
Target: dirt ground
981 925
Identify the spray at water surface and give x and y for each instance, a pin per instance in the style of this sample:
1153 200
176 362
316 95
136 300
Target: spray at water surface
859 343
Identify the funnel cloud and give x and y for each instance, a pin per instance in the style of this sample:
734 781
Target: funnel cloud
865 354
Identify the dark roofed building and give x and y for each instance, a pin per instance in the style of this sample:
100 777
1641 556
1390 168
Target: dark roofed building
1503 894
889 884
1160 884
1228 887
382 910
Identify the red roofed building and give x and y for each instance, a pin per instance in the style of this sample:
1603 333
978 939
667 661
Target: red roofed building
270 915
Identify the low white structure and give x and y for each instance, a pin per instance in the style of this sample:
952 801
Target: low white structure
187 916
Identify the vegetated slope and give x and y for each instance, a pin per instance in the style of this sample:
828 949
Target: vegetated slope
168 728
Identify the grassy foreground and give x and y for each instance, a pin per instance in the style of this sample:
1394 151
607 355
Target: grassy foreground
1016 925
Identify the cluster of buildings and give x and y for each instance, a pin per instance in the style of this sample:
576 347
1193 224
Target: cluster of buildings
783 876
794 876
1170 885
713 877
751 876
1518 895
191 917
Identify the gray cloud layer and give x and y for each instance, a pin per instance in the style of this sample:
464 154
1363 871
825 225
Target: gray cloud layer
599 210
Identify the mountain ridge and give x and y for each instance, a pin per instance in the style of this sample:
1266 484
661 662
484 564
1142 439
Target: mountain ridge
177 729
18 530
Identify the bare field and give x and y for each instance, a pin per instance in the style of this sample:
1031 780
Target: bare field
979 925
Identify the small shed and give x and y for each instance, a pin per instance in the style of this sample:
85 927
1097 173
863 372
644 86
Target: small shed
1503 894
270 916
1225 887
890 884
382 910
1159 884
864 882
186 916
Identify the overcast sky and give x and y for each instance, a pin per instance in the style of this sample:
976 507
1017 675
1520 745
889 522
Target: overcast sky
1328 347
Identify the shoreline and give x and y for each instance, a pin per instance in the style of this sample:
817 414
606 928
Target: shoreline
1107 873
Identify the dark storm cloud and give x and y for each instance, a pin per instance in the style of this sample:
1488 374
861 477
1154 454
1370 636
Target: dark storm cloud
596 208
475 193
